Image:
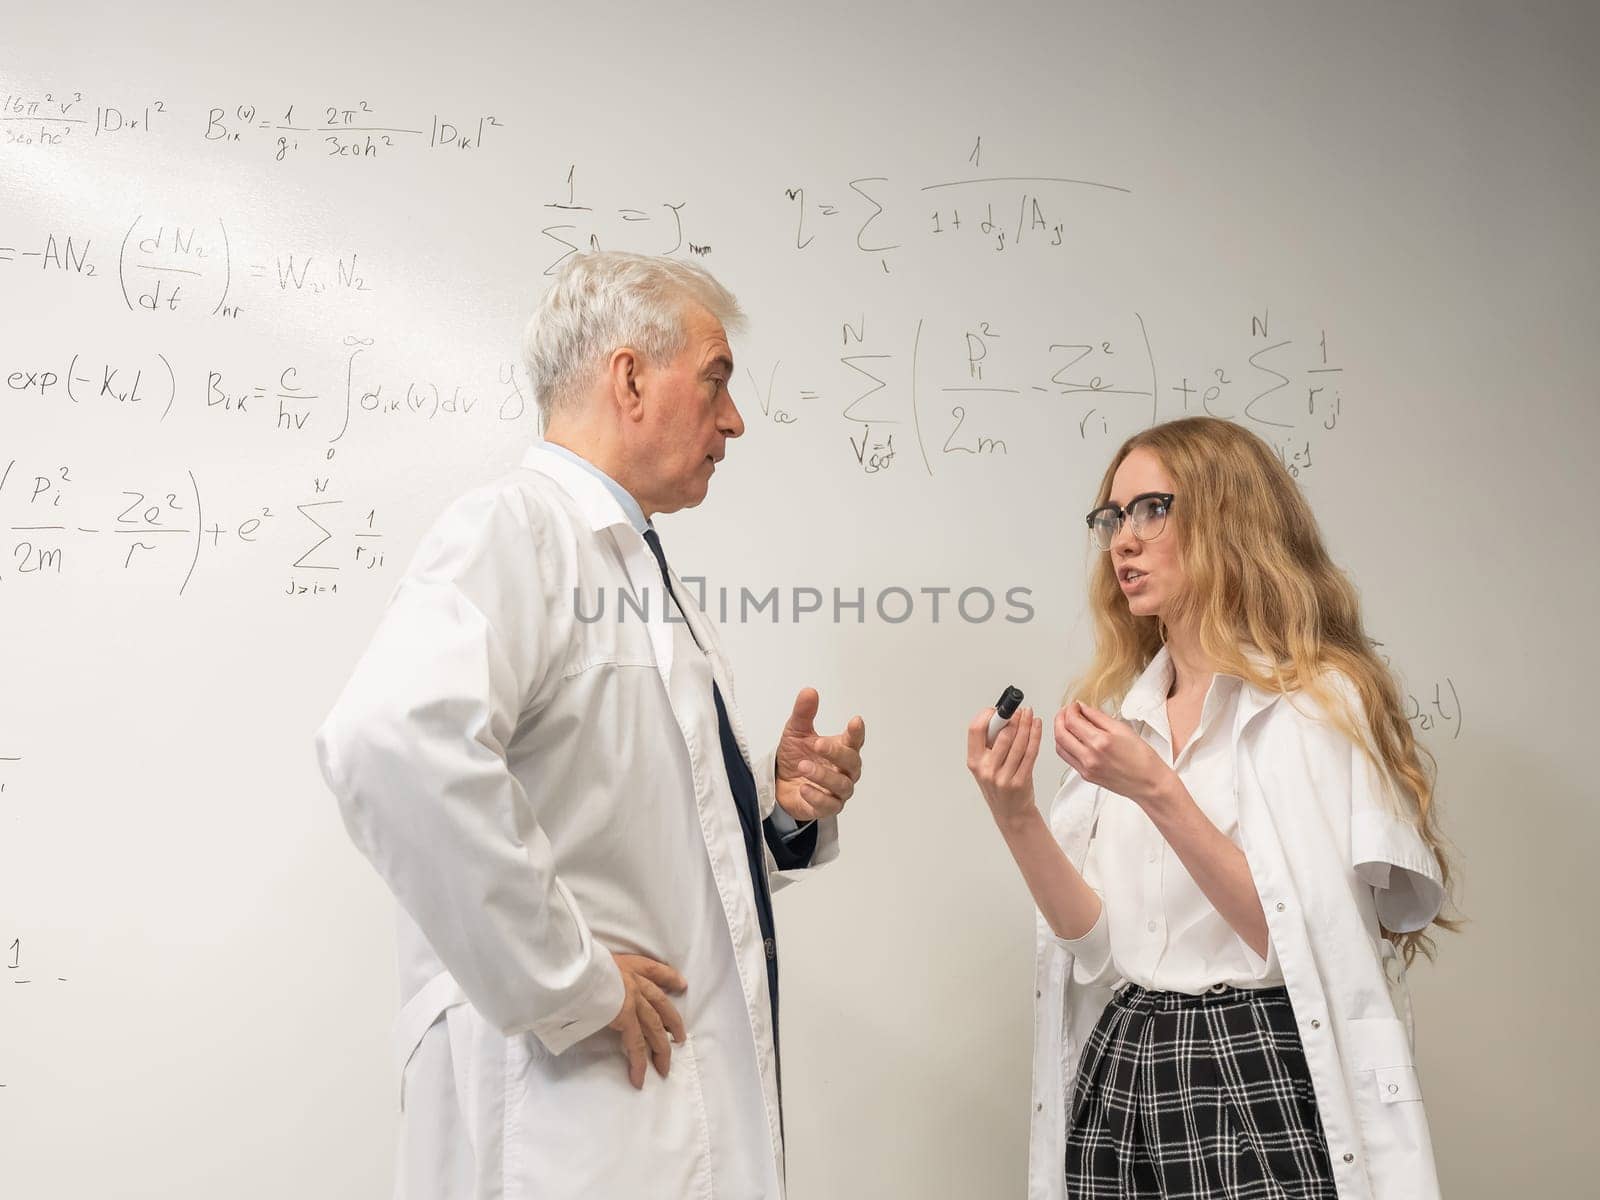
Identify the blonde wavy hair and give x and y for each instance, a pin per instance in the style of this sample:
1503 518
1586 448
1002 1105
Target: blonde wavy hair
1258 579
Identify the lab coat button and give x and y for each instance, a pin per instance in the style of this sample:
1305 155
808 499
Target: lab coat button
1279 906
1348 1157
1315 1023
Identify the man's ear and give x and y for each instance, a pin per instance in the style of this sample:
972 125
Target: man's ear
623 372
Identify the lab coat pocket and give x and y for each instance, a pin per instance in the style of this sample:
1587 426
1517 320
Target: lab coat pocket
1397 1084
1380 1055
579 1129
612 629
1388 1103
1377 1042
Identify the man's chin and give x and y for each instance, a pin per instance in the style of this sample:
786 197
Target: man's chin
688 500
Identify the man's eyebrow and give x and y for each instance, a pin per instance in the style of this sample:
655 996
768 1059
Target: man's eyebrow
721 362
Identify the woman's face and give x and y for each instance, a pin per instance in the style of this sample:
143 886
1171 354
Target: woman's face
1148 572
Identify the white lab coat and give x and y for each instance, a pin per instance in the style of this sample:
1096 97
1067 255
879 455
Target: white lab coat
1331 854
538 790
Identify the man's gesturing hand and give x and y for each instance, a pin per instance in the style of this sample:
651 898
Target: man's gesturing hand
647 1017
815 775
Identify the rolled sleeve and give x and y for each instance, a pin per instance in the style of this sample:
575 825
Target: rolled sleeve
1091 953
1388 853
1391 857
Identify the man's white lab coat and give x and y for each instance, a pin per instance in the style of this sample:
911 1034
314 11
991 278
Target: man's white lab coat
1331 854
540 788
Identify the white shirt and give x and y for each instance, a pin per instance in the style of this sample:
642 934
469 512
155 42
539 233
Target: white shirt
1156 927
1333 853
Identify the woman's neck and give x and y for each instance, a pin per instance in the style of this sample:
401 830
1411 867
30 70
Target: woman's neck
1191 669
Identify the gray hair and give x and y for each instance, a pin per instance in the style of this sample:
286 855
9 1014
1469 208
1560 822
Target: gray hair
605 299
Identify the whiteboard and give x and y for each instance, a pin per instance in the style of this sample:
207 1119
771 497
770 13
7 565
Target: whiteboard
262 282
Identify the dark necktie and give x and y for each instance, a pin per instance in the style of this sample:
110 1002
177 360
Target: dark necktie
795 853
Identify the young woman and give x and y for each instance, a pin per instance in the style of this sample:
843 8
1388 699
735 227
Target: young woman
1235 870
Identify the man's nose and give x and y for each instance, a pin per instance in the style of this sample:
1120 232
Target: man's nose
730 422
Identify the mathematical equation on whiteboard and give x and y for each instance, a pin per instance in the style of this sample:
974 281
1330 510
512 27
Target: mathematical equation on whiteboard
19 971
1434 707
164 266
943 395
576 224
160 263
282 399
349 130
162 528
883 218
26 967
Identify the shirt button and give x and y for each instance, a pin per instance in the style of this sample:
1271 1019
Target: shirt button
1151 926
1038 995
1038 1108
772 949
1279 906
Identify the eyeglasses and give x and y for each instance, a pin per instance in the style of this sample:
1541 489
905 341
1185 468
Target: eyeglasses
1146 514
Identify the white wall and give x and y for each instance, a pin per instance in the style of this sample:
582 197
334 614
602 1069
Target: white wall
197 978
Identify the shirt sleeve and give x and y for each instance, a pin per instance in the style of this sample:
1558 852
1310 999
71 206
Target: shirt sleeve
1386 851
792 844
1091 953
1389 854
415 751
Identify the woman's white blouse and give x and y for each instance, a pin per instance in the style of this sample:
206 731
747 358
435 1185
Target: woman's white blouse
1156 927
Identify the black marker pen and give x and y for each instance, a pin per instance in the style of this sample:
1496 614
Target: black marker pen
1003 708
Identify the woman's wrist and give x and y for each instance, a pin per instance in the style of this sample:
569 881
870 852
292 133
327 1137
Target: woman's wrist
1020 825
1166 798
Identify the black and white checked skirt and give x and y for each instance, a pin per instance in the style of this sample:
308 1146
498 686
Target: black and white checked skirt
1184 1097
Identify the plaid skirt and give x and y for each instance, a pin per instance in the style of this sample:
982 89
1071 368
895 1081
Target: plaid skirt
1184 1097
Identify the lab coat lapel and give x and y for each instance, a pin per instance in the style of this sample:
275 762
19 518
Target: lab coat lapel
605 516
705 636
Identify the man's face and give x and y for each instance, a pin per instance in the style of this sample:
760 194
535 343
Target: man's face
689 416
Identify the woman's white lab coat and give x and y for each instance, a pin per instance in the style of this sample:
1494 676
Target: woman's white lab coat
1331 854
539 789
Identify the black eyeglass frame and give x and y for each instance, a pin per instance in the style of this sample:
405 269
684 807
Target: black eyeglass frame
1123 514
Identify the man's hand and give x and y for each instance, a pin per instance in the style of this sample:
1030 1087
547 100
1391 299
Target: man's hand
815 774
647 1017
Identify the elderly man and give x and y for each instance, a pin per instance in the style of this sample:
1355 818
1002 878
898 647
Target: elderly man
565 807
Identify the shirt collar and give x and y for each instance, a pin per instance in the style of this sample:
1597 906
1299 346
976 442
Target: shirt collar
603 505
1147 698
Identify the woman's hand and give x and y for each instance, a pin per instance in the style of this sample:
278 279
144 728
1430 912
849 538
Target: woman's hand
1107 752
1004 771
